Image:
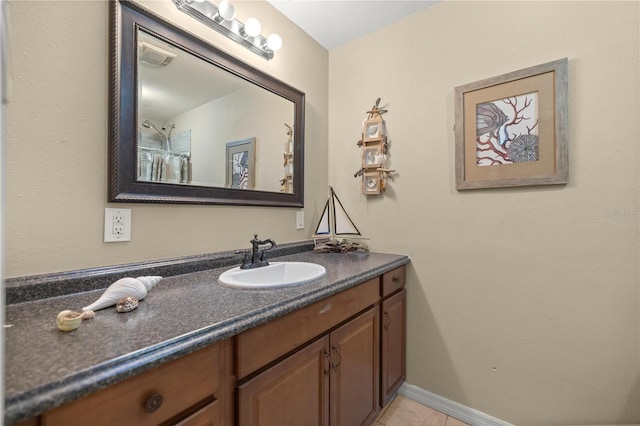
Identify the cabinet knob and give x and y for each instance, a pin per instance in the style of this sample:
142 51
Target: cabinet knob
395 279
153 403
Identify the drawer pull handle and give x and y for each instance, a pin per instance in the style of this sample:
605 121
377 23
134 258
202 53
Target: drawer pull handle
395 280
326 308
153 403
386 326
335 349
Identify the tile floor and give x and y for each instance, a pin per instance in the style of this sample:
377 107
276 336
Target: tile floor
403 411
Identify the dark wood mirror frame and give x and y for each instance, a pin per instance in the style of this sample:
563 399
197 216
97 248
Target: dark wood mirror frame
126 18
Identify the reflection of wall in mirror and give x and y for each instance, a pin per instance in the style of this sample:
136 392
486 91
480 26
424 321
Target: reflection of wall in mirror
248 112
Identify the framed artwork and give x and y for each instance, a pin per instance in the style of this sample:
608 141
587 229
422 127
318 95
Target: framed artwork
240 164
371 183
373 129
511 130
372 155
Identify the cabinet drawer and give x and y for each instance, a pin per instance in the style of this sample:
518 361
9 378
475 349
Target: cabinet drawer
180 384
206 416
263 344
393 280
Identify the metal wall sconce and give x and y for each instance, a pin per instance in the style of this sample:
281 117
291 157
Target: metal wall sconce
222 19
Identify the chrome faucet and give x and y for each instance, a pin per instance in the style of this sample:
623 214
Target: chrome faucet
257 256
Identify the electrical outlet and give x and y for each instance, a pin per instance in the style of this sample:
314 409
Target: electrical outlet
300 219
117 225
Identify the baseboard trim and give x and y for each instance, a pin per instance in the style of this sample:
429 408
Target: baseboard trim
448 407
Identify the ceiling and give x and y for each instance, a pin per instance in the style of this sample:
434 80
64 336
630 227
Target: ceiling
333 23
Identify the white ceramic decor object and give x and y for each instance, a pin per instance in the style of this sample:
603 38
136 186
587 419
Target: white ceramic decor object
124 287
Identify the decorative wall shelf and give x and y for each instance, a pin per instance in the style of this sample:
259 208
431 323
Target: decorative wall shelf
374 146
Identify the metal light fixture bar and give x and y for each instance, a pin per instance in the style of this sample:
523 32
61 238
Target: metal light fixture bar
206 12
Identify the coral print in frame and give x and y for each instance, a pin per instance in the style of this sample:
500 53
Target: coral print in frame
240 164
511 130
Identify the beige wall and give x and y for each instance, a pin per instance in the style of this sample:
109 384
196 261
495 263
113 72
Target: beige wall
523 303
56 151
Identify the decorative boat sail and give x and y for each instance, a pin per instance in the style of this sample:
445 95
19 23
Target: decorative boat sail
335 223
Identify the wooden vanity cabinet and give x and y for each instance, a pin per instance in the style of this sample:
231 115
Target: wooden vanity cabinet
193 390
392 333
334 362
332 381
262 345
318 365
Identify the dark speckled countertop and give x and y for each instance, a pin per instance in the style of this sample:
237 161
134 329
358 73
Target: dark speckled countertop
45 367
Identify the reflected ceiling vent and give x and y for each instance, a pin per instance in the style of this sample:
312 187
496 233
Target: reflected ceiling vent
153 55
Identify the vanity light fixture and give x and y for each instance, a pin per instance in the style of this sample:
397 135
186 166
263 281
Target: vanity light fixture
274 42
222 19
251 28
226 11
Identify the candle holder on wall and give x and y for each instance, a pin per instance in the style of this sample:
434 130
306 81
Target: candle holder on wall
374 146
286 183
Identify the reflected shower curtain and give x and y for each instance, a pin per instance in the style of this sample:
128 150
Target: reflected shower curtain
163 167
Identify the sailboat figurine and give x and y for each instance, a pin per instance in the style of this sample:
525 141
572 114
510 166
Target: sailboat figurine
335 223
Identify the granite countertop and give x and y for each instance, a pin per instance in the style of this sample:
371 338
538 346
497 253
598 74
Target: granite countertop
45 367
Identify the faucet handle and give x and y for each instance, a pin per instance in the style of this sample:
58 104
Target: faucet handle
271 244
246 259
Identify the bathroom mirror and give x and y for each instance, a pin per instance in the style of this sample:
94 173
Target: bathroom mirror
192 124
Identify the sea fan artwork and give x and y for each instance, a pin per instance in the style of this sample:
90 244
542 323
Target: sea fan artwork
507 130
240 177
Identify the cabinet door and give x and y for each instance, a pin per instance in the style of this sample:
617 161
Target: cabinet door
355 370
393 345
293 392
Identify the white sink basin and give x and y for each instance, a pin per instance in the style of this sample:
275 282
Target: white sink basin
276 274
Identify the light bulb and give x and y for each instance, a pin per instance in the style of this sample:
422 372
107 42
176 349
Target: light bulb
252 27
274 42
226 10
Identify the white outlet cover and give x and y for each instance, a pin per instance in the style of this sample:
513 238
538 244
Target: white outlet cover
124 227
